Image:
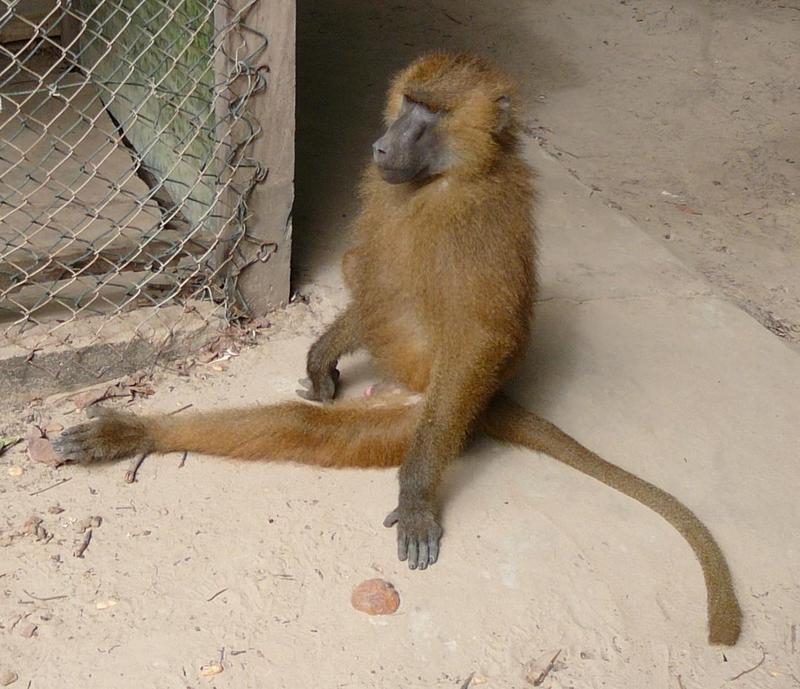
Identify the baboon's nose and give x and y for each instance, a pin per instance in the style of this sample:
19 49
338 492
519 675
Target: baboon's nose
378 151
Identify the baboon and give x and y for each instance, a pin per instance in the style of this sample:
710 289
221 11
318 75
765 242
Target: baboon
442 276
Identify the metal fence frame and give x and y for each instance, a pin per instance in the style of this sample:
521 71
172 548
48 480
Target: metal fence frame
146 174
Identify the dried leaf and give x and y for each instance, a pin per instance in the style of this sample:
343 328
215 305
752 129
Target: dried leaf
31 525
7 677
8 441
90 397
206 357
539 669
142 390
41 450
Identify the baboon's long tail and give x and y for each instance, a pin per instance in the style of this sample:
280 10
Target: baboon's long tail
507 421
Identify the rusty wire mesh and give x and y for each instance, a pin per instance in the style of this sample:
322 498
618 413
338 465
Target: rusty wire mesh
124 173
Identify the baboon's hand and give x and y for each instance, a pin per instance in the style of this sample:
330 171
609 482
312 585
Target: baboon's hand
418 534
320 386
111 435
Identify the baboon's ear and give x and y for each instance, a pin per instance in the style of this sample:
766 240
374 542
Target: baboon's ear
503 113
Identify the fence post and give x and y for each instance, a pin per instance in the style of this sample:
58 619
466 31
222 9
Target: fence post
264 282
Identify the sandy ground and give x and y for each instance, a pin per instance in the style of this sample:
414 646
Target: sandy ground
637 354
684 115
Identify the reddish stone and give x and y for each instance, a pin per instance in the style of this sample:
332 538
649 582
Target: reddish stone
375 597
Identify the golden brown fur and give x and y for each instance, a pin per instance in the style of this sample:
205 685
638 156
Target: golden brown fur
442 279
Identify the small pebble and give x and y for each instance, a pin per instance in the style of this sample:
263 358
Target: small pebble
27 629
7 677
105 604
15 471
88 523
375 597
211 669
31 525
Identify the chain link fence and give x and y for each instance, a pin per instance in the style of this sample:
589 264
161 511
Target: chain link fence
125 173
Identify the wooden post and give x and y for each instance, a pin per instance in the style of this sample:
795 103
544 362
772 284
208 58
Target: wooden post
264 283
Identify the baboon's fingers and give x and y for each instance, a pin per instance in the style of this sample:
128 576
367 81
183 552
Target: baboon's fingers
79 445
418 536
422 547
391 519
433 550
402 544
322 390
110 435
412 553
71 447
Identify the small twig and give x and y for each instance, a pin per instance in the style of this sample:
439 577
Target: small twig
178 411
750 669
84 544
548 668
133 467
136 462
569 153
55 485
452 18
218 593
46 598
467 681
680 683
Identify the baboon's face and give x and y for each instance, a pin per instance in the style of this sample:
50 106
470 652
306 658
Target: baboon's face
412 147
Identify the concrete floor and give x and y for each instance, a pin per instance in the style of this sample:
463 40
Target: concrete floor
636 353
